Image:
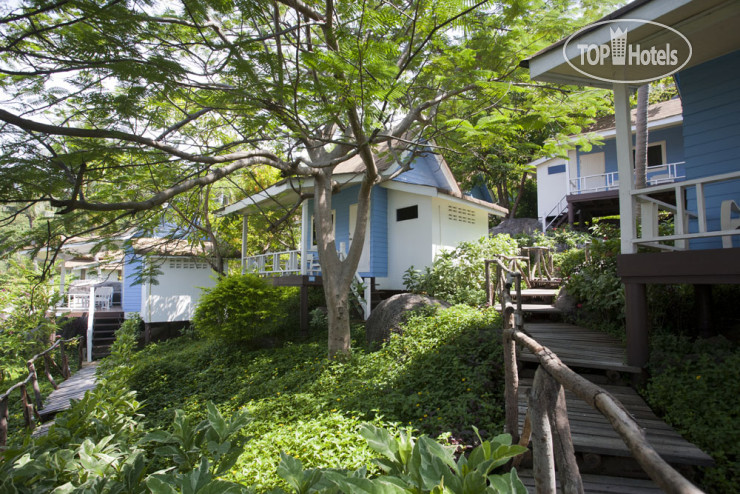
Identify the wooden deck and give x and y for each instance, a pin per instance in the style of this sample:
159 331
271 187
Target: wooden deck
592 432
579 347
74 387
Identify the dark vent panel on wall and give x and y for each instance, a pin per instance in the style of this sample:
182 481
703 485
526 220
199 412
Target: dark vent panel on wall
409 213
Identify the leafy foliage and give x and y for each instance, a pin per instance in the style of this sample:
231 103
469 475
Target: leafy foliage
458 275
240 307
694 385
24 302
411 464
441 376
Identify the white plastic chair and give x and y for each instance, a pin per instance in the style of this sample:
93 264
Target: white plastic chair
727 222
104 297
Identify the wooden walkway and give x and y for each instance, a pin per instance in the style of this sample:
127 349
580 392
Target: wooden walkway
579 347
602 484
73 388
592 432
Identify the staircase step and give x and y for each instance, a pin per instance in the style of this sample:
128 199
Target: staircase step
592 433
579 347
535 308
602 484
538 292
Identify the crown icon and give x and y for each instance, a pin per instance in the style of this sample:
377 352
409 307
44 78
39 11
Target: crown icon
619 45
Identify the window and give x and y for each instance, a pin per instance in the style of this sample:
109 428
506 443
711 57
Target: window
552 170
408 213
655 154
313 229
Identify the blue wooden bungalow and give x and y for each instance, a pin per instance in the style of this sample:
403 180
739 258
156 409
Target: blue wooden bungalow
585 184
413 216
702 249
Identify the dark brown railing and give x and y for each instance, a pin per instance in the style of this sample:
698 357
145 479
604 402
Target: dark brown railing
546 423
30 409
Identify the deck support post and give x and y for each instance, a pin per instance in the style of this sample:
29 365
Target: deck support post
245 227
90 323
305 233
624 166
635 301
304 308
703 299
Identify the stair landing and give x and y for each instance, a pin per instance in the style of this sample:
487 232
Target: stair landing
579 347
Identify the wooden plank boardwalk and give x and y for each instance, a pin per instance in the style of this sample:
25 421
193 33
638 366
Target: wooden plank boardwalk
592 432
578 347
73 388
602 484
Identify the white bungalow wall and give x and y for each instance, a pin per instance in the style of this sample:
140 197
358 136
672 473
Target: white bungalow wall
454 223
178 291
552 184
440 225
409 241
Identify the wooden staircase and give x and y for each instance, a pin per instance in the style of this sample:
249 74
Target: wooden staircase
105 325
603 459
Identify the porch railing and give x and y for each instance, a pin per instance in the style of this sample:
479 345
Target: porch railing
689 211
281 263
600 182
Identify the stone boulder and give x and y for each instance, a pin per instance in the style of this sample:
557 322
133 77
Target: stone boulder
565 302
392 312
516 226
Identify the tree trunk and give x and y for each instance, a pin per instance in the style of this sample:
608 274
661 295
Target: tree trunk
336 273
520 191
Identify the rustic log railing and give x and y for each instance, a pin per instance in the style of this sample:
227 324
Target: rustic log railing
546 423
30 409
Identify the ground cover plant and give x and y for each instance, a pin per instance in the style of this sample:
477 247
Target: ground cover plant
695 386
442 376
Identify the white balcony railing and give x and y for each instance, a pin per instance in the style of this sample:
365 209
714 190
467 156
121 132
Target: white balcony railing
282 263
689 208
656 175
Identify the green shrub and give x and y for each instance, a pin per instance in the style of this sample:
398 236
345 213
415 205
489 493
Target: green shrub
411 464
117 364
240 307
458 275
694 386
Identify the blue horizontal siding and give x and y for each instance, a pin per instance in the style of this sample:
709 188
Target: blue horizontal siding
378 226
379 233
710 94
131 297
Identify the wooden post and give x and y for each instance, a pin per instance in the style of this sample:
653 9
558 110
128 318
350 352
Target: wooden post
489 291
635 301
3 421
565 456
245 227
90 322
304 307
27 407
35 384
542 449
47 370
511 383
703 300
66 372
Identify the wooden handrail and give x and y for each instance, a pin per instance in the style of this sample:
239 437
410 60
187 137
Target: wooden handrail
31 409
547 417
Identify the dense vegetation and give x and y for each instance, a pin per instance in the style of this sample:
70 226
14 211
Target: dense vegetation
441 377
